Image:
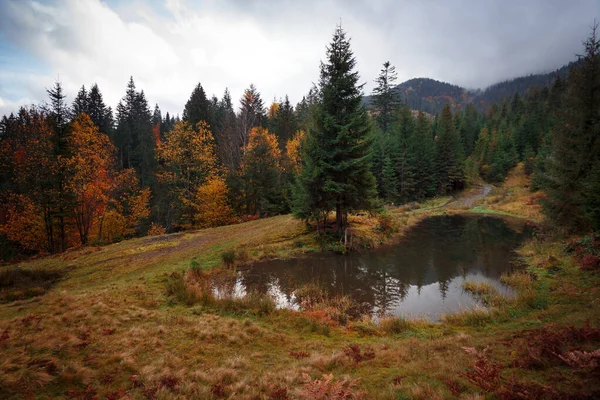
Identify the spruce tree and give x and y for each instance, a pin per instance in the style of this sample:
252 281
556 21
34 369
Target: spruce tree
81 103
385 97
285 122
338 145
197 107
449 155
573 167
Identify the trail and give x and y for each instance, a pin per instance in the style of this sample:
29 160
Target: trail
466 200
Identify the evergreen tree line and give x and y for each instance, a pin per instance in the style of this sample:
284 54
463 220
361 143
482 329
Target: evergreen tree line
77 173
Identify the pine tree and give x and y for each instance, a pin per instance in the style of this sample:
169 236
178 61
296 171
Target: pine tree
285 122
133 137
58 115
252 114
81 103
385 97
449 155
100 115
197 107
573 167
337 151
422 148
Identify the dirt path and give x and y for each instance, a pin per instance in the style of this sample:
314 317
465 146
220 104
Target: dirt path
468 199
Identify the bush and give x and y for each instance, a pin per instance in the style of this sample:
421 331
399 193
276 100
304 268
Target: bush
394 325
228 257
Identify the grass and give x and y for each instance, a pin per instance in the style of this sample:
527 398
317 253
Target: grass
137 319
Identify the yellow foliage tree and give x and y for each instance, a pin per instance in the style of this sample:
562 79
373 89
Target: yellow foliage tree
189 159
293 152
212 204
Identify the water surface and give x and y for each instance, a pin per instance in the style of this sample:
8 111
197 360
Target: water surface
421 276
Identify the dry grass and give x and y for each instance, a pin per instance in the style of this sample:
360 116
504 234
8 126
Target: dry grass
133 320
514 197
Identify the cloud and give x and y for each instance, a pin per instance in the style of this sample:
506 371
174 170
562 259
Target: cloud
170 46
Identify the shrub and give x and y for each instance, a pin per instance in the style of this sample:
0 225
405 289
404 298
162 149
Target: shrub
228 257
484 374
156 230
328 388
353 352
394 325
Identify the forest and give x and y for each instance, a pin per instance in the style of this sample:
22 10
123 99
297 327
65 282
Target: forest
345 247
77 172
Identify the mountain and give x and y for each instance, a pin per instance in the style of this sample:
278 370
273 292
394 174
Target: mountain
430 95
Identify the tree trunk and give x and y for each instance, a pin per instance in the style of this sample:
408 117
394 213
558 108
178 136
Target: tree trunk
338 216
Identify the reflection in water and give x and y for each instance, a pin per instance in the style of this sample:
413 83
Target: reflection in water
421 276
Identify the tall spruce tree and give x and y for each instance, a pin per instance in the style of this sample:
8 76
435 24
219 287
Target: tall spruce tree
449 154
385 97
197 107
338 147
574 164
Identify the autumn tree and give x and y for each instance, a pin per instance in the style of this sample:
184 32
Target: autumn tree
189 159
127 206
91 172
212 203
260 173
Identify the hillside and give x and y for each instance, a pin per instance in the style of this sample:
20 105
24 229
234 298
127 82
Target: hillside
430 95
124 321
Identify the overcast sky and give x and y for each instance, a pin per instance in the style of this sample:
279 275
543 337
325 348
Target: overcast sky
171 45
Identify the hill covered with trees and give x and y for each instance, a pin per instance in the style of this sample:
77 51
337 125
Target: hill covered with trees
430 95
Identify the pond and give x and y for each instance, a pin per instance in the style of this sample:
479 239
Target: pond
421 276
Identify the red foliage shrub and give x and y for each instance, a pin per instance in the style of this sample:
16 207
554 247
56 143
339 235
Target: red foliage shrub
353 352
328 388
218 390
135 381
108 331
169 381
514 390
484 374
30 319
299 354
589 262
455 387
279 394
539 348
116 395
4 337
89 393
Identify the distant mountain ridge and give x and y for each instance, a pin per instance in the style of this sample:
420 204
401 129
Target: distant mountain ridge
430 95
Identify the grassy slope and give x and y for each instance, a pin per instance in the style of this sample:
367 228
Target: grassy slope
109 329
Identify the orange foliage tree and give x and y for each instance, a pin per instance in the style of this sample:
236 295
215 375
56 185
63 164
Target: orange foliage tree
126 208
28 167
91 172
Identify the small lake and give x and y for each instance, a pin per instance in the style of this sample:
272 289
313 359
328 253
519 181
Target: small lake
421 276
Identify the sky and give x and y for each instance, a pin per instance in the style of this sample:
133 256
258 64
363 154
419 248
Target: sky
169 46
